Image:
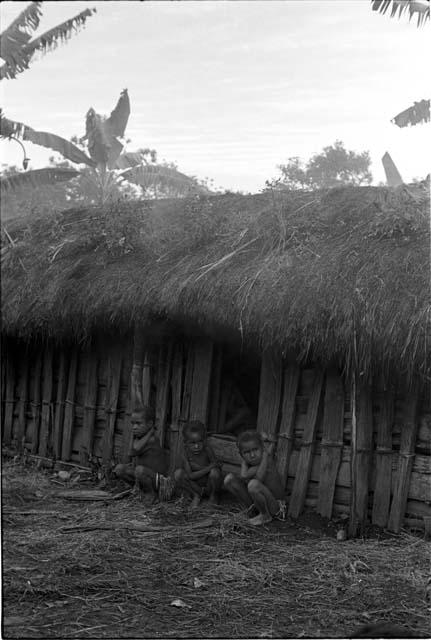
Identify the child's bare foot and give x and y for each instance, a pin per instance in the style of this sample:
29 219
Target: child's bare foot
259 520
195 502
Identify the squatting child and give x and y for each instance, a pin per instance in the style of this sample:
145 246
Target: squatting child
259 482
200 474
150 462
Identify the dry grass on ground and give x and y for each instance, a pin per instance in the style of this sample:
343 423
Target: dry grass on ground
234 581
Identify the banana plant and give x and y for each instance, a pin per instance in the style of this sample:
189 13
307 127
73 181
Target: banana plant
419 112
18 47
104 139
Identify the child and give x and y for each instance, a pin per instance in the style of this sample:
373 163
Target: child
151 461
200 473
259 483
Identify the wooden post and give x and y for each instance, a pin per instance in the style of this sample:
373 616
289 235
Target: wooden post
35 403
69 410
215 389
406 455
203 355
163 387
271 373
22 405
46 402
114 375
3 385
332 442
362 458
384 456
287 424
137 366
175 444
300 483
89 408
59 405
188 382
10 400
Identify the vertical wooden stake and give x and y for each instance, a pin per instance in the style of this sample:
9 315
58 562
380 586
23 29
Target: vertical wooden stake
20 435
10 399
175 430
269 397
215 389
406 455
114 376
287 424
188 381
59 405
3 385
69 410
332 442
382 488
90 407
302 477
203 355
361 468
35 404
163 388
46 402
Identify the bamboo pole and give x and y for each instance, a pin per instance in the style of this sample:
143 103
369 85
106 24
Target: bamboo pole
69 410
203 357
36 402
114 376
362 440
176 390
299 491
163 387
9 400
271 373
89 408
46 402
332 442
406 455
384 457
59 405
287 423
22 404
215 389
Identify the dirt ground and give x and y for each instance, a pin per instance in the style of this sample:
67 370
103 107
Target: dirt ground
127 569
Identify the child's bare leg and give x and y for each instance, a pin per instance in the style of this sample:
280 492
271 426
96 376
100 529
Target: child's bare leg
263 500
214 484
146 480
237 487
189 486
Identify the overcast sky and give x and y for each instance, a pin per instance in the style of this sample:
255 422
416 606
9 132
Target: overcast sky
229 90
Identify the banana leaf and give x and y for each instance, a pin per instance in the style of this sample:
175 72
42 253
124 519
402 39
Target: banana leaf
37 178
19 50
157 176
420 9
417 114
11 128
117 122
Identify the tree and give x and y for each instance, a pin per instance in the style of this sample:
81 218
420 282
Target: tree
419 112
333 167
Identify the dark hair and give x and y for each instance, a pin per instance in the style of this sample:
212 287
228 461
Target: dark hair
249 436
194 427
142 413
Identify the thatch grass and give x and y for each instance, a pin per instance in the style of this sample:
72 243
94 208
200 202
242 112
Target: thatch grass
338 275
236 582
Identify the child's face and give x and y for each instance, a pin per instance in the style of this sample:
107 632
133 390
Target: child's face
142 427
194 443
252 452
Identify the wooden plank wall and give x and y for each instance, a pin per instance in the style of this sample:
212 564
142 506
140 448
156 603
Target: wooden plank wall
74 403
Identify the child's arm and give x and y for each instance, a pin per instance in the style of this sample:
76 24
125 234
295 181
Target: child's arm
263 467
247 473
212 456
200 473
139 444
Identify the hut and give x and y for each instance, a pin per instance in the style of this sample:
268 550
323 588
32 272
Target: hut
305 314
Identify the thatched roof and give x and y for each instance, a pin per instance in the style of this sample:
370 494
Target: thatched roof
331 275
